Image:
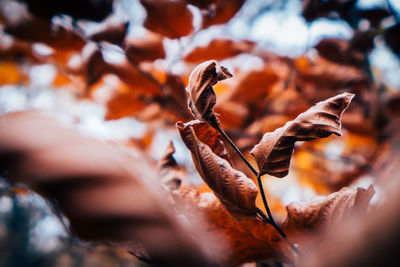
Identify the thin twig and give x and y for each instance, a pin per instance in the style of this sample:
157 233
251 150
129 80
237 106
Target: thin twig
236 149
270 219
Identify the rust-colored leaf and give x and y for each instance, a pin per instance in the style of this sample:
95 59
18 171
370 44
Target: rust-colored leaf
220 12
317 74
174 97
202 98
33 29
171 173
147 48
249 96
249 239
353 52
111 30
125 104
169 18
274 152
211 137
306 221
219 49
236 191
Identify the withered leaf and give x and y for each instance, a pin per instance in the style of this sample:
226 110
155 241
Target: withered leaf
236 191
201 95
169 18
352 52
249 239
219 49
274 152
220 12
211 137
171 173
147 48
112 31
34 29
305 221
108 191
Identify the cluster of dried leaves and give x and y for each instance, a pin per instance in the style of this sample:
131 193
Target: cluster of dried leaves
117 192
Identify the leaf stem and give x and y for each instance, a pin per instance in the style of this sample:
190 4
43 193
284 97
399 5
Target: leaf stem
218 128
266 219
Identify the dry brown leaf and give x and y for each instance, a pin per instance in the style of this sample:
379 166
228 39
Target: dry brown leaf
24 26
174 97
125 104
172 174
110 31
236 191
249 96
169 18
318 78
220 12
202 98
108 191
211 137
275 150
219 49
306 222
249 239
352 52
147 48
136 78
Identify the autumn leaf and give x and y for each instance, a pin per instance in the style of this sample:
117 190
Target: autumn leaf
112 30
171 173
220 12
169 18
202 98
236 191
275 150
147 48
219 49
352 52
211 137
249 239
24 26
306 221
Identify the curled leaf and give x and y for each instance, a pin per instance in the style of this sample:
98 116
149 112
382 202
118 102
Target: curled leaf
236 191
306 221
202 98
275 149
171 173
211 137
